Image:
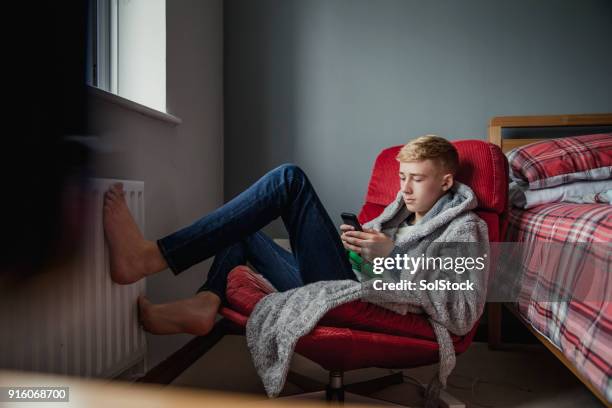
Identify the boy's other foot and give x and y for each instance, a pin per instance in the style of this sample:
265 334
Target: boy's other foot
195 315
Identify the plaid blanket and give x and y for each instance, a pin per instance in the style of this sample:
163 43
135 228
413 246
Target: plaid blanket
582 330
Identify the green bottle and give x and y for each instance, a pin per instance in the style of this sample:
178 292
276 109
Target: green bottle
360 265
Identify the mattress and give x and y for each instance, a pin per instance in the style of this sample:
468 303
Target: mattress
580 329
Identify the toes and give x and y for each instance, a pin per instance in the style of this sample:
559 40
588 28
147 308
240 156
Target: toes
117 190
117 196
114 197
109 204
143 302
141 308
110 195
114 192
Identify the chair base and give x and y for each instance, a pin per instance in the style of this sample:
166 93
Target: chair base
336 391
350 398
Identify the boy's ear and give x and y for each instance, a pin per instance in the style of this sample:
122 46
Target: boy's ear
447 181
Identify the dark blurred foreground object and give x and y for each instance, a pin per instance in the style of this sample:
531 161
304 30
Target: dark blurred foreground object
43 169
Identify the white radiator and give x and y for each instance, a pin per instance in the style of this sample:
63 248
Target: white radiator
75 320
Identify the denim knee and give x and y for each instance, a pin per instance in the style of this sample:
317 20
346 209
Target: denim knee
291 172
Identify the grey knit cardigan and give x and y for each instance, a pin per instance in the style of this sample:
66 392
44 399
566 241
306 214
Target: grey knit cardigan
281 318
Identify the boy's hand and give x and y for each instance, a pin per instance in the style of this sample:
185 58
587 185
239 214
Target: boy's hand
369 244
345 227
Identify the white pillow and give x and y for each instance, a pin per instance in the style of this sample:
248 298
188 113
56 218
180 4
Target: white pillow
521 197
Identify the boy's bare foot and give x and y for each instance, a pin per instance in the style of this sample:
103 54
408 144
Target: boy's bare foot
131 256
195 315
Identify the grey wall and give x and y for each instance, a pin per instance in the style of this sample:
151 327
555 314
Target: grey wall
328 83
182 166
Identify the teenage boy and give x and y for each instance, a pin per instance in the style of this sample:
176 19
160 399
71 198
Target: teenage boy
232 234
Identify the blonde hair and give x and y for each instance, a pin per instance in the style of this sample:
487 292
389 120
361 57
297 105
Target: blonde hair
431 147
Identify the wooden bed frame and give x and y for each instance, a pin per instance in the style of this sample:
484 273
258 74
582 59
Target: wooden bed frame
494 310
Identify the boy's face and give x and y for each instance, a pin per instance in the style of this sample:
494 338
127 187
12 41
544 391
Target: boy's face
422 183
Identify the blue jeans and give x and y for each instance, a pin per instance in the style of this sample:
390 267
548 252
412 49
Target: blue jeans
232 233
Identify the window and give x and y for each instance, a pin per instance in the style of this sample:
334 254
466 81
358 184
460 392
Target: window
127 50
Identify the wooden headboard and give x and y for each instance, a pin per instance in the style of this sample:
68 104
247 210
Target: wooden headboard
595 123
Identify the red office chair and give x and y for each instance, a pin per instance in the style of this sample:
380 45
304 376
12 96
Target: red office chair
360 334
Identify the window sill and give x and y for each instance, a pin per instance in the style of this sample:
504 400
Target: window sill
134 106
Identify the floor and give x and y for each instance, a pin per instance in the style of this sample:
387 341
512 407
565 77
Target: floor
482 378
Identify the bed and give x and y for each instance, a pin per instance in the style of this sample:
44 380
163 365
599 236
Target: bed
578 333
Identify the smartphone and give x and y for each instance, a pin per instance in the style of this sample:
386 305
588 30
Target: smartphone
351 219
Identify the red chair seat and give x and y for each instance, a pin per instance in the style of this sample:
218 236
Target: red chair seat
353 327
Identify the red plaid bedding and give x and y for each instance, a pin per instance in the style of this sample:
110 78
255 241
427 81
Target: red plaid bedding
550 163
582 330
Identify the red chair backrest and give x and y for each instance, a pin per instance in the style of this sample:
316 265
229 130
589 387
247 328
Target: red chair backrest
482 166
